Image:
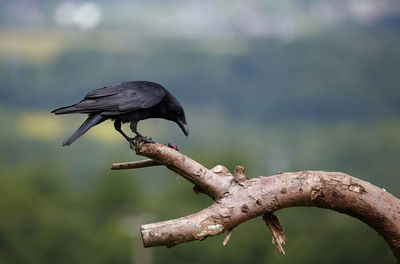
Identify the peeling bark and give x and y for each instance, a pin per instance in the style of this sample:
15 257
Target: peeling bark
278 236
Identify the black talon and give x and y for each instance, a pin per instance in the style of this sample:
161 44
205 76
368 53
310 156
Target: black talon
139 140
146 139
132 144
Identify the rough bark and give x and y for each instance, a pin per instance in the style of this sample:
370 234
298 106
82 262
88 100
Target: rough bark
204 179
238 199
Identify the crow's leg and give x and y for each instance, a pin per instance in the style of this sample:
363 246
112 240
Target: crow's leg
143 139
117 126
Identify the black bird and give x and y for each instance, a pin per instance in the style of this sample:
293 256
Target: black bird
126 102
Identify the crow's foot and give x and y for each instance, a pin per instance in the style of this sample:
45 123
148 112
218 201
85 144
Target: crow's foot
139 141
132 143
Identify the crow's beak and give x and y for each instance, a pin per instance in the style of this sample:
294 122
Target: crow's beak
184 127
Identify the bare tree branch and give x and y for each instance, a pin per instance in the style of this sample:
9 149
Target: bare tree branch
135 164
238 199
205 180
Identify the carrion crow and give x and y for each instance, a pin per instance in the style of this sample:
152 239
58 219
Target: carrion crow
126 102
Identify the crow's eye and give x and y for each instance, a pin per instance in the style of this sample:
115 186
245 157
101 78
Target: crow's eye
178 113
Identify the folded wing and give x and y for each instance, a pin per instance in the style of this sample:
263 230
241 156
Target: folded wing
118 99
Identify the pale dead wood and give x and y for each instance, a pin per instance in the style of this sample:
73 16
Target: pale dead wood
278 236
238 199
228 236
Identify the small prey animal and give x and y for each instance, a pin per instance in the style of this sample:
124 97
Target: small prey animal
126 102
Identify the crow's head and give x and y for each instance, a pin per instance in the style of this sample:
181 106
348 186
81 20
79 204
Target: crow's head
176 113
178 116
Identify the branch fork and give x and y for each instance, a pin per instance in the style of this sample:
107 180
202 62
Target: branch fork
238 199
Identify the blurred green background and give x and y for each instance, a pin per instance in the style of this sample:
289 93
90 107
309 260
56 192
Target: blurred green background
271 85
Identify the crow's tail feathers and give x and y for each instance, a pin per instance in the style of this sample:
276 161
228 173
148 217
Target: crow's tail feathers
90 122
66 110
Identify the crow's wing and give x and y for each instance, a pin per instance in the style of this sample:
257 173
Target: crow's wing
122 98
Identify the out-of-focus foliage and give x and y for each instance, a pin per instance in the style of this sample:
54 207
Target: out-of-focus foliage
331 77
324 97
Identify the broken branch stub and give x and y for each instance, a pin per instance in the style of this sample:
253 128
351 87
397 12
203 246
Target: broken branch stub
278 236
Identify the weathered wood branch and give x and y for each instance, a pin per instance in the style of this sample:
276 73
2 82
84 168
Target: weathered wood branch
205 180
238 199
135 164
